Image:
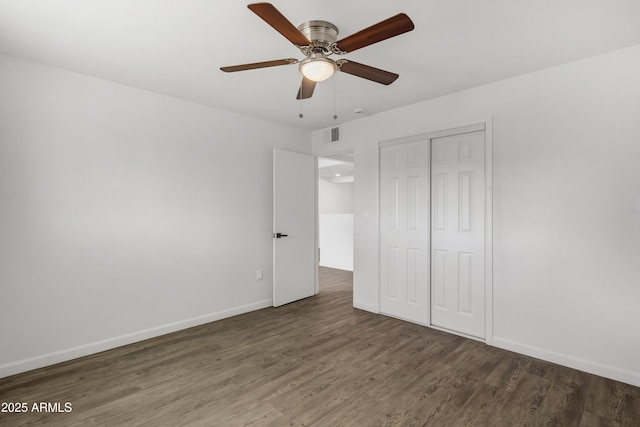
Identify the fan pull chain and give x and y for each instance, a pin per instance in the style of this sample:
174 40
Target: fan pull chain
335 96
300 102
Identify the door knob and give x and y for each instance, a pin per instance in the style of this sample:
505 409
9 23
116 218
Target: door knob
279 235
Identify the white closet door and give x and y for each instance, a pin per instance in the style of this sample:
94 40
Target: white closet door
457 241
404 231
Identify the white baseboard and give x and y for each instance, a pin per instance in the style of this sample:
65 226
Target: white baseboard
364 306
611 372
108 344
343 267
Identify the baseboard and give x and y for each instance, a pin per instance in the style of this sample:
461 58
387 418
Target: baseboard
108 344
606 371
364 306
342 267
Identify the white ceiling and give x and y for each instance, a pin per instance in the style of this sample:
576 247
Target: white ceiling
175 47
330 169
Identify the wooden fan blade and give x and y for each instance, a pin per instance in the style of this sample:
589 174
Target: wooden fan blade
255 65
306 88
386 29
370 73
273 17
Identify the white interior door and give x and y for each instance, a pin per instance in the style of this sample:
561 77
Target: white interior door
404 231
294 226
457 239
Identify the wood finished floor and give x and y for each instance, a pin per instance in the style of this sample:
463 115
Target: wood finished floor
318 362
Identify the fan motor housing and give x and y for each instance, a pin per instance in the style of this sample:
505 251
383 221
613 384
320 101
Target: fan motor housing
319 32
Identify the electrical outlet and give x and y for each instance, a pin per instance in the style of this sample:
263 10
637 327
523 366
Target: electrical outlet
258 274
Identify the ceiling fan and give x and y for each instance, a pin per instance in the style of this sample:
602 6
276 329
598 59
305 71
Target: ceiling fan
317 42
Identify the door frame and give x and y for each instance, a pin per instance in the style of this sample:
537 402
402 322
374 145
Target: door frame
486 126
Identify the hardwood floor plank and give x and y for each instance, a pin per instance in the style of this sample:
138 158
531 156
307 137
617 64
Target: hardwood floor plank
319 362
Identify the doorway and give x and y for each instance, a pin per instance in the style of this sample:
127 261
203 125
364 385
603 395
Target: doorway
335 213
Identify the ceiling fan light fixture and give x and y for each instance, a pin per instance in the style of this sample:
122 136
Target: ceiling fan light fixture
317 69
317 40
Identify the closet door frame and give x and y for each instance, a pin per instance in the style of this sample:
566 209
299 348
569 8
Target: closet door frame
486 126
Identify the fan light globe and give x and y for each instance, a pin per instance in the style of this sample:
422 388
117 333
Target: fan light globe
317 69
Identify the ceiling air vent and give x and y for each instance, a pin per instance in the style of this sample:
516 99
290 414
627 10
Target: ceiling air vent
332 135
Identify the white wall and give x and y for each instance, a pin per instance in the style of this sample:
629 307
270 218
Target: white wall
335 224
566 218
335 198
336 240
124 214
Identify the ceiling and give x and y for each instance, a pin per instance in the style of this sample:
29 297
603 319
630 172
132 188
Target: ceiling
175 47
334 170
